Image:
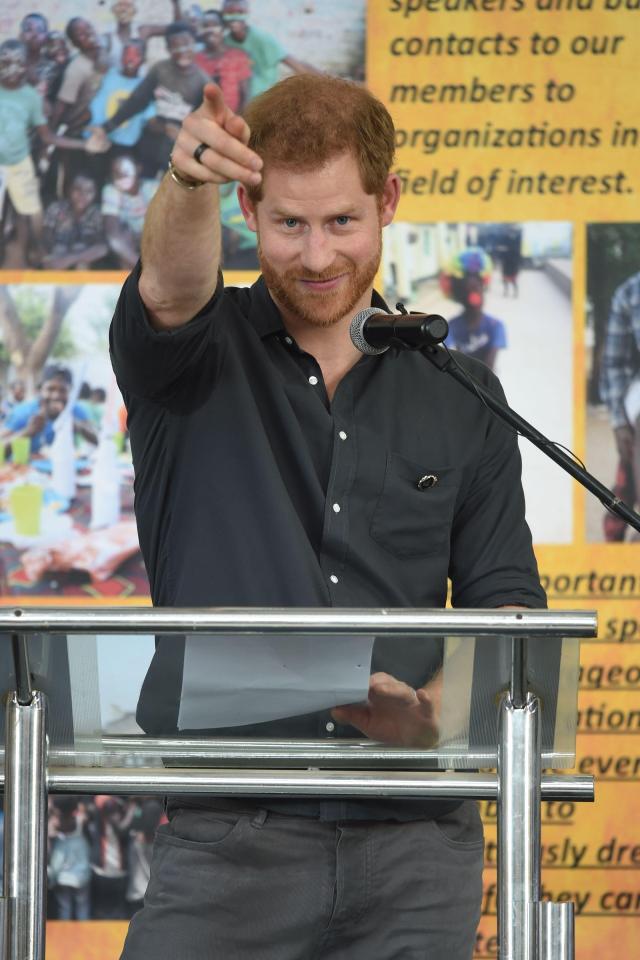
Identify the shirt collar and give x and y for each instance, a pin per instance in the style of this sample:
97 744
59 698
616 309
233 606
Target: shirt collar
266 318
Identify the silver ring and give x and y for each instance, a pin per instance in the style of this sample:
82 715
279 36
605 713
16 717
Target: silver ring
199 150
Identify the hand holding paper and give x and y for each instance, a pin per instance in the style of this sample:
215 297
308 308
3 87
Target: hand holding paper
395 713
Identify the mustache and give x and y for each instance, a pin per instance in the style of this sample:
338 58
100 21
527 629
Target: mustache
335 270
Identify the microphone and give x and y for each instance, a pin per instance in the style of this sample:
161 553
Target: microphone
374 330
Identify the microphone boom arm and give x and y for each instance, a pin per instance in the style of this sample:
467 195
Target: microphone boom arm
442 360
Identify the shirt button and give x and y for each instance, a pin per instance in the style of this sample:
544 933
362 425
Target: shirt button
330 726
333 578
313 381
336 508
342 435
288 340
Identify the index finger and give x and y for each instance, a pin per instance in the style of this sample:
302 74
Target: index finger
238 128
213 102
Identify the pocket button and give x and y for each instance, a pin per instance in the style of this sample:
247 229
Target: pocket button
429 480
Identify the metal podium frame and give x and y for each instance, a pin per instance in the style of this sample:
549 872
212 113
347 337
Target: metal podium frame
527 928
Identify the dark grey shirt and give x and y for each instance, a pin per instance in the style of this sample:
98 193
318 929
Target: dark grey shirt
252 489
175 92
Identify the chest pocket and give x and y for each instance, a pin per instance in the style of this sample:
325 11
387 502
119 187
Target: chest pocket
412 517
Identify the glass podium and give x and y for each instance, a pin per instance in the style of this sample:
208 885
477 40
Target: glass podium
245 702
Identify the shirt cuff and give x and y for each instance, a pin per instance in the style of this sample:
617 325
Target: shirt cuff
137 304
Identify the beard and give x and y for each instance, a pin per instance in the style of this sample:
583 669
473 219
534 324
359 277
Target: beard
320 308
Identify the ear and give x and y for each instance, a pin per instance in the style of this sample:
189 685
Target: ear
248 208
390 198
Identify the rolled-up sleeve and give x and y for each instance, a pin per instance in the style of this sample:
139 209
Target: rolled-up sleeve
152 363
492 558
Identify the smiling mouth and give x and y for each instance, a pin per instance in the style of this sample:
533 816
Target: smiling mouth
322 284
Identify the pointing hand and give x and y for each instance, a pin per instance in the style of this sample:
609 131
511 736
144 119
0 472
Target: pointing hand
224 136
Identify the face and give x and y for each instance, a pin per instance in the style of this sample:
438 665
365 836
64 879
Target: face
18 390
13 66
56 48
131 60
319 239
82 194
181 50
33 33
53 396
237 28
474 292
211 31
193 16
125 175
124 11
85 37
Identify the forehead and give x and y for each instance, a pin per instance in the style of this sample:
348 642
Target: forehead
34 23
83 184
180 39
12 55
124 165
82 27
336 183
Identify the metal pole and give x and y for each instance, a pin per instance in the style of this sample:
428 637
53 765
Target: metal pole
295 783
301 621
25 829
519 794
556 929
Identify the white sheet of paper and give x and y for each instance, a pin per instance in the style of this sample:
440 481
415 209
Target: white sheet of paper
232 681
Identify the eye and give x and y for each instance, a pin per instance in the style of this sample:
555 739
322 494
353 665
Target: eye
290 222
343 220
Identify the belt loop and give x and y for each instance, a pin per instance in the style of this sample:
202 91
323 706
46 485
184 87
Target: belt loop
259 819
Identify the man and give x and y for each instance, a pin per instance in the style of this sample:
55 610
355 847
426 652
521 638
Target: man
33 33
57 53
229 67
264 51
621 390
126 30
124 204
73 232
473 331
81 79
175 87
17 393
36 418
277 466
118 84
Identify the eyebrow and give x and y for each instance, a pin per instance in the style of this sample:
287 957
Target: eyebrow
341 212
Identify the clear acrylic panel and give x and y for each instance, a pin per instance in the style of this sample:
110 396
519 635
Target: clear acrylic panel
250 700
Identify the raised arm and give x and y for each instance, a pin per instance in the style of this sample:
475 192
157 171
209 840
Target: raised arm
181 238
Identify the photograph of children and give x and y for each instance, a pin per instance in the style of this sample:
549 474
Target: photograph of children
505 290
91 102
67 527
613 374
99 854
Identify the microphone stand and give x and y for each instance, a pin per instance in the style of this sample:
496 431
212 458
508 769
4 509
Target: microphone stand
441 359
526 926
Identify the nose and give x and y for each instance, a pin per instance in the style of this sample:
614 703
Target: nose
317 252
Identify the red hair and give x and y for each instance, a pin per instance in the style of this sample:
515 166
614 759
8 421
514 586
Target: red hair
306 120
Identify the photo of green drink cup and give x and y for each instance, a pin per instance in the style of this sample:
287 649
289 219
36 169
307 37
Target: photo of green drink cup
25 505
20 449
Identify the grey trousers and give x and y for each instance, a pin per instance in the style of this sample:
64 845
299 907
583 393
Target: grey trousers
236 884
